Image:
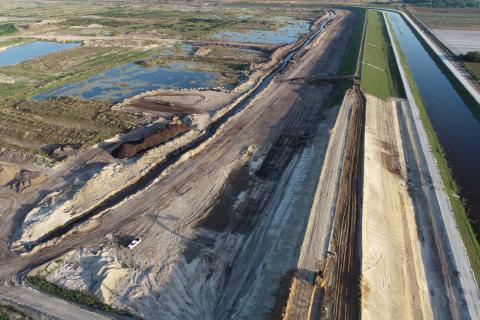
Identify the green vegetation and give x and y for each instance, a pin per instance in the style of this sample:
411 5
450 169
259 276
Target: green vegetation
448 18
350 57
380 76
338 92
37 124
474 69
14 41
472 56
7 28
349 62
33 125
10 313
451 188
471 61
77 296
88 21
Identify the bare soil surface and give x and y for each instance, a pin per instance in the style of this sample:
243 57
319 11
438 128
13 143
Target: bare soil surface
459 41
210 268
313 252
393 275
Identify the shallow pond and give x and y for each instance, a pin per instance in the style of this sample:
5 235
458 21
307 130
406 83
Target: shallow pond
18 53
451 115
130 79
282 35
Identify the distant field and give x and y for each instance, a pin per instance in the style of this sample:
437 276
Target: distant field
459 41
136 18
378 76
448 18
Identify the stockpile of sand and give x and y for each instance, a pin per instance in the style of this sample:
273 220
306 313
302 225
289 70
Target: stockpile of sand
93 270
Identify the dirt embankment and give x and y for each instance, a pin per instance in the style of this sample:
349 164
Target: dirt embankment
314 247
343 269
393 275
129 149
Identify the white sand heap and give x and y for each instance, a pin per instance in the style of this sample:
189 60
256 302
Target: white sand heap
92 270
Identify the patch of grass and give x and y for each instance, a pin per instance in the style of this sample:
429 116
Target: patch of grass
32 125
11 313
379 73
58 121
88 21
14 41
61 67
474 68
338 92
451 188
350 57
7 28
77 296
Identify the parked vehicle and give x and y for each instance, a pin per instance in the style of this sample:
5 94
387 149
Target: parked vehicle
135 242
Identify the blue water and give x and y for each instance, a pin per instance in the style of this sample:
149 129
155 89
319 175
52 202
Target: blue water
456 126
130 79
23 52
283 35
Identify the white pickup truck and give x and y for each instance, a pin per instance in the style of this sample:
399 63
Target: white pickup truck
135 242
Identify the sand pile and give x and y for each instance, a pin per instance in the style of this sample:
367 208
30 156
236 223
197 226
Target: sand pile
93 270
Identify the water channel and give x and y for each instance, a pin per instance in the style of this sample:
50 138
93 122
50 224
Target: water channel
451 115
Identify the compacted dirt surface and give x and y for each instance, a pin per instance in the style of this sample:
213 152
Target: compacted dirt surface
222 226
393 278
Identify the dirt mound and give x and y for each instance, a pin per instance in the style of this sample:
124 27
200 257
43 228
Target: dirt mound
26 180
129 149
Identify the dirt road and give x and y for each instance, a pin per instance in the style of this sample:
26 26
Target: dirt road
343 269
315 244
393 277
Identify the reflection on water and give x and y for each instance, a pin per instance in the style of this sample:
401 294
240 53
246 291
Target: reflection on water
282 35
457 128
23 52
130 79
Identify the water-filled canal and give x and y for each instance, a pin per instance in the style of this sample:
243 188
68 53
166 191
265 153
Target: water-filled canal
451 115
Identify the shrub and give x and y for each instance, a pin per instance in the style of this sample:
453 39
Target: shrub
7 28
472 56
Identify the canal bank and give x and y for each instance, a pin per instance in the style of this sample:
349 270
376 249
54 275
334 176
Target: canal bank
459 240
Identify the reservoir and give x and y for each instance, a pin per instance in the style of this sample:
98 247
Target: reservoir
452 117
18 53
283 35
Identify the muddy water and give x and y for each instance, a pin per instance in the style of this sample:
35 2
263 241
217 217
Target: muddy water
451 115
23 52
282 35
130 79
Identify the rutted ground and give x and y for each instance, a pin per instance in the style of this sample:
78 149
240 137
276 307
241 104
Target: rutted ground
73 200
184 257
393 277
